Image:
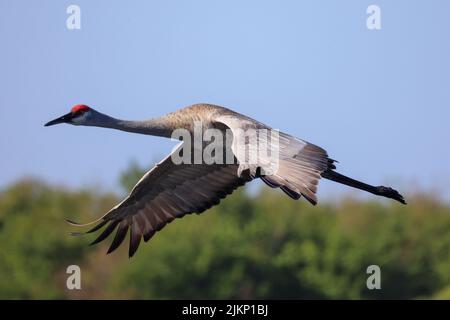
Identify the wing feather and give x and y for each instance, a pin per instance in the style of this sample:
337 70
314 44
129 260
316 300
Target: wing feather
120 235
299 164
166 192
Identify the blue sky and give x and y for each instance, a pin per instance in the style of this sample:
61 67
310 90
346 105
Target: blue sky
378 101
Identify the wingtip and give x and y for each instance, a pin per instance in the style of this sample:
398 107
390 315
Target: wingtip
73 223
77 234
131 253
76 224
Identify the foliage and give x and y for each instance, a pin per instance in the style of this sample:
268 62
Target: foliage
34 238
262 246
131 176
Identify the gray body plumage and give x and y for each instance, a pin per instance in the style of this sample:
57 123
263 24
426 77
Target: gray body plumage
170 191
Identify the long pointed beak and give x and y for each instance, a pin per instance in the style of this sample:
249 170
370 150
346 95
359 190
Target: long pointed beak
64 119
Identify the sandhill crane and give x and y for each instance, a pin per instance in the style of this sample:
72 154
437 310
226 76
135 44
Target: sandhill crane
170 190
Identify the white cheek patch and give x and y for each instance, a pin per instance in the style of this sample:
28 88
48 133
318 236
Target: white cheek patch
80 119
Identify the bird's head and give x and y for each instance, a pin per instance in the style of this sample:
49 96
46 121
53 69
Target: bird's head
80 114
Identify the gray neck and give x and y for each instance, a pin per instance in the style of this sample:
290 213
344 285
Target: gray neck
154 127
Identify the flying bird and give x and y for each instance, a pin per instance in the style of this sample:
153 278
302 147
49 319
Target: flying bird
171 190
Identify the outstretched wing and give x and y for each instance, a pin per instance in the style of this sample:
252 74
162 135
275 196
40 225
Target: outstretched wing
166 192
293 165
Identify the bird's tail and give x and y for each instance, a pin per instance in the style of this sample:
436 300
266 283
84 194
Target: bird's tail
379 191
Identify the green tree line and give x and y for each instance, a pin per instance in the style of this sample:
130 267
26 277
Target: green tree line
263 245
